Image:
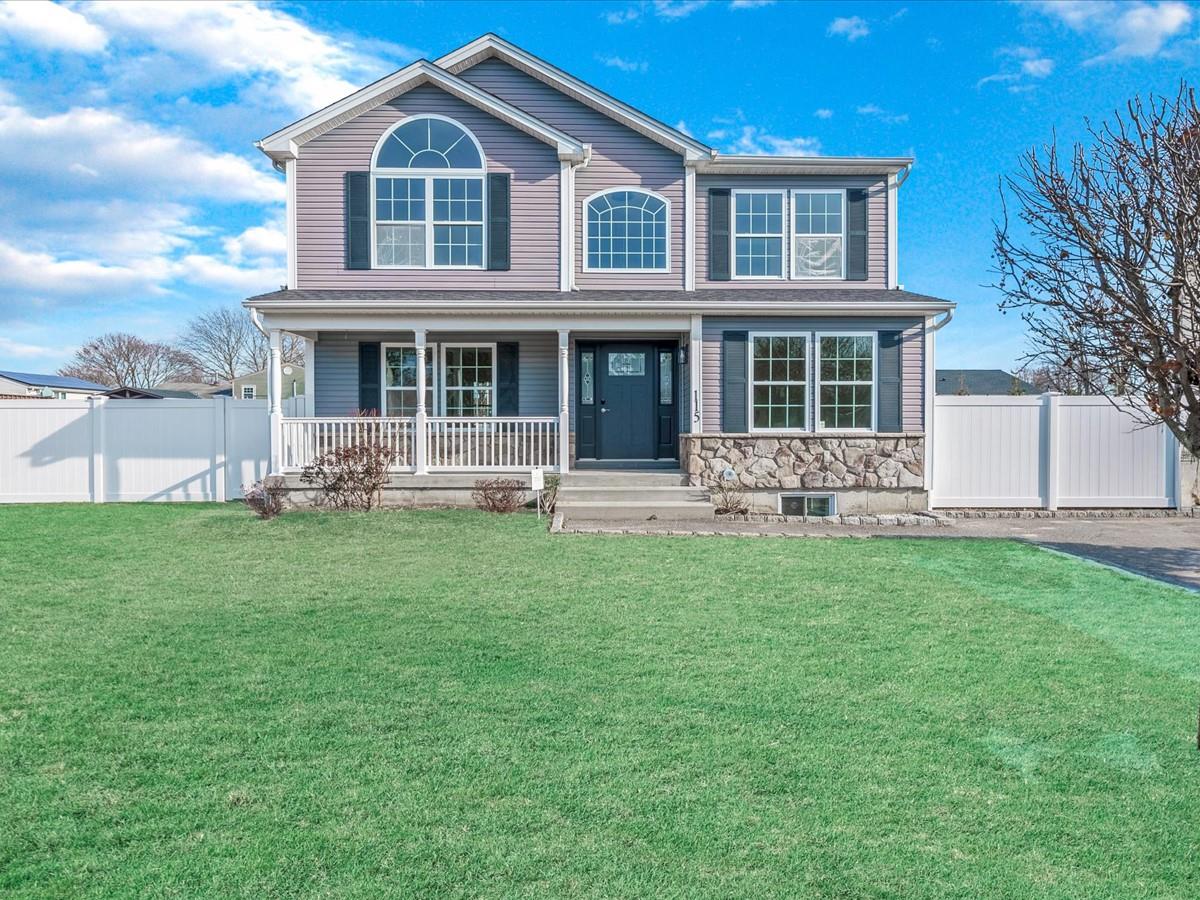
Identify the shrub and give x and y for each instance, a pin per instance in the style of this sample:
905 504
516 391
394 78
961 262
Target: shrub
499 495
550 492
729 498
265 498
351 477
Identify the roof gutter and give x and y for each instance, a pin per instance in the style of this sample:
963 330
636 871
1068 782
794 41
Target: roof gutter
938 326
735 307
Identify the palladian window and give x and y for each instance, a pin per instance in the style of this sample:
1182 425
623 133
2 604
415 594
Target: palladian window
427 180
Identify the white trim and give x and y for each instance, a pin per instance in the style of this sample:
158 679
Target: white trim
248 387
585 249
874 336
696 371
566 225
793 234
289 171
490 45
455 345
430 222
927 415
689 228
830 495
738 164
288 140
383 385
809 377
893 232
783 235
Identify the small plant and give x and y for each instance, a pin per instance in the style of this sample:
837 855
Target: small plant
351 477
729 498
499 495
550 492
265 498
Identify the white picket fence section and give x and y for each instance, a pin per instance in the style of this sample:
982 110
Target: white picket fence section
103 450
1050 452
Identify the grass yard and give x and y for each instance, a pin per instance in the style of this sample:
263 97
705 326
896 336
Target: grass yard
196 703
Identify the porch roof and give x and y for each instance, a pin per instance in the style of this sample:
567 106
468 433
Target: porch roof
855 301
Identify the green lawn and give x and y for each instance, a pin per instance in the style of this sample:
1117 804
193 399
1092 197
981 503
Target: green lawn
196 703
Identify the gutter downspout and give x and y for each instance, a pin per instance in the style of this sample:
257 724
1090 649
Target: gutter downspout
575 166
938 326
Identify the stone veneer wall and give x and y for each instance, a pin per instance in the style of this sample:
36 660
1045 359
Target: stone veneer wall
807 461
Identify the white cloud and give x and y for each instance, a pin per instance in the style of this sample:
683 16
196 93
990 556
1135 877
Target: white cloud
133 157
850 27
257 242
622 16
20 350
1037 68
753 140
51 26
750 4
677 9
214 272
875 111
823 113
625 65
283 56
41 275
682 126
1019 62
1133 30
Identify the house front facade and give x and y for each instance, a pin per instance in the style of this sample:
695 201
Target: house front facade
497 266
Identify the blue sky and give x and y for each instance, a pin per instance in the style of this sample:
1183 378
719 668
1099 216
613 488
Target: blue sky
131 196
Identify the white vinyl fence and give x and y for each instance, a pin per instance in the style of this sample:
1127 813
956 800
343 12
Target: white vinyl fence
1049 452
104 450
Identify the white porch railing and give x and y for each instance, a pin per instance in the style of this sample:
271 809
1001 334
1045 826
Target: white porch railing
303 440
453 444
493 443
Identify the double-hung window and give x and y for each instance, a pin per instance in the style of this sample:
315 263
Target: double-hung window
400 379
779 382
427 187
846 375
818 234
758 228
469 379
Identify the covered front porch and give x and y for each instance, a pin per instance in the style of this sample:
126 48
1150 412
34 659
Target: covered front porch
497 395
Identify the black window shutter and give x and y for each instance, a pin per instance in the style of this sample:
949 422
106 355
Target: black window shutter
891 384
718 234
508 380
856 235
499 196
369 376
358 220
733 381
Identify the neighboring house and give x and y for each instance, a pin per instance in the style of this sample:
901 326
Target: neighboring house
126 392
56 387
183 390
516 268
981 382
254 386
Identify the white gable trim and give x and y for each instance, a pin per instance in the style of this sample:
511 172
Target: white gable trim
488 46
286 143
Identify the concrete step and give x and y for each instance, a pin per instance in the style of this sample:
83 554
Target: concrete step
622 478
610 510
646 494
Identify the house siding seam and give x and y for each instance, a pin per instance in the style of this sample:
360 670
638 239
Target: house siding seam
621 157
912 357
319 199
877 218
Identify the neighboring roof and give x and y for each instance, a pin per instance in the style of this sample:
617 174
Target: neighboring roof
62 382
492 45
184 389
24 397
261 373
286 143
980 382
710 301
126 392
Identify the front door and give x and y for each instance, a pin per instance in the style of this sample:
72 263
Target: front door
631 403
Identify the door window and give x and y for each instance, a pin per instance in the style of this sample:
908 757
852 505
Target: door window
626 364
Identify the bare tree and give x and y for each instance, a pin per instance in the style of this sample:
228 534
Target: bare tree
125 360
258 354
225 344
1105 266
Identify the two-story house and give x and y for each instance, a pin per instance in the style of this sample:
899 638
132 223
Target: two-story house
506 267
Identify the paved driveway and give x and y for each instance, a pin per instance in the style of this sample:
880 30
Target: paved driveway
1164 548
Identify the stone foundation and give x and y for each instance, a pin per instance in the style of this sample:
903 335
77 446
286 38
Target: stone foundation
807 461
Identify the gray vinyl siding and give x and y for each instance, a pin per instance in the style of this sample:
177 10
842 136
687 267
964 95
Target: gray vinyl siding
621 157
348 148
336 360
876 188
912 356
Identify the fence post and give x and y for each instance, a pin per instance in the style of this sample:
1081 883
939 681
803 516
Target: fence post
97 417
220 465
1050 457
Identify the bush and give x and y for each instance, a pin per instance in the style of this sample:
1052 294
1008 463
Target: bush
265 498
729 498
351 477
499 495
550 492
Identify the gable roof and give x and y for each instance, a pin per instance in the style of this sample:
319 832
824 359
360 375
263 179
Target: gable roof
980 382
62 382
491 46
286 143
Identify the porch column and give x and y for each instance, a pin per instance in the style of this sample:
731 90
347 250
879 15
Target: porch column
421 433
274 401
564 401
695 373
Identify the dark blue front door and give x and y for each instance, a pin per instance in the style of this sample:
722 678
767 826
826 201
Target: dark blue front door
626 426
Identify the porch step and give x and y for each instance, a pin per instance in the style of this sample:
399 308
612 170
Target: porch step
623 478
650 493
631 496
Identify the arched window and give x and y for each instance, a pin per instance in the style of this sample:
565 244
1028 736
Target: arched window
427 178
627 231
